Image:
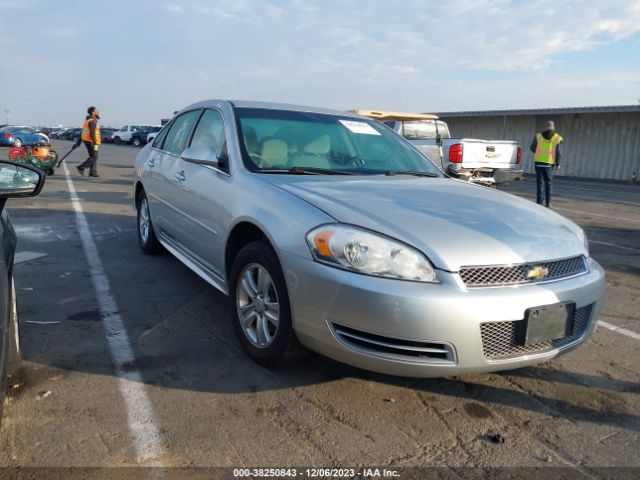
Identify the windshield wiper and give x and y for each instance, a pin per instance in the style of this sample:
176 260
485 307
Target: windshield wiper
307 171
411 172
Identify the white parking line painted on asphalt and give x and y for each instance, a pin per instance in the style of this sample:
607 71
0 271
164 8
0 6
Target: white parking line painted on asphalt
141 422
623 331
580 212
607 244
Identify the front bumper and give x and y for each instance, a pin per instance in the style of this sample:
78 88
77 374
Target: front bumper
333 310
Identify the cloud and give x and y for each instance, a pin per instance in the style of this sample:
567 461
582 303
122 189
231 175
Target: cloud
409 55
483 35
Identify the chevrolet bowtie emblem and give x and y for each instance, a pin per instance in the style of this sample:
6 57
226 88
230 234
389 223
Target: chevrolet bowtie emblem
537 273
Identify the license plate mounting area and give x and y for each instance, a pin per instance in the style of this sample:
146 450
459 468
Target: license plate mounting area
546 323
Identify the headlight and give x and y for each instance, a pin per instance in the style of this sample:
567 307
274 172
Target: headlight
585 240
361 251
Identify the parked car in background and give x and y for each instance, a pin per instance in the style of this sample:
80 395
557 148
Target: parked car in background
141 137
16 180
124 135
152 135
328 230
486 162
106 134
57 132
17 136
45 130
71 134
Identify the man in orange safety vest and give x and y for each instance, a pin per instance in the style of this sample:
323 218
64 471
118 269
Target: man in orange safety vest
91 138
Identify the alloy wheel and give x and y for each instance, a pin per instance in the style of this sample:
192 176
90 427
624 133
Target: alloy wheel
257 305
143 222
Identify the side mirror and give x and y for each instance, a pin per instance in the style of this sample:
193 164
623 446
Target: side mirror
20 180
201 156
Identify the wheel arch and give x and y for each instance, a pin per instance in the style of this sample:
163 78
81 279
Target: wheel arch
138 189
242 234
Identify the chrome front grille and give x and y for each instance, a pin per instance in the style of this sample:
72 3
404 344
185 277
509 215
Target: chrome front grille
492 276
393 347
499 339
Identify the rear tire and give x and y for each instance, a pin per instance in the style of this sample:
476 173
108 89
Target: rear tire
259 296
147 239
136 142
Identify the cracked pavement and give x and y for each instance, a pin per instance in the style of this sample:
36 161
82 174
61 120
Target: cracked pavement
214 407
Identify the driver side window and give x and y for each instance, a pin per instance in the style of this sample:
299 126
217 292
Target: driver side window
178 135
210 132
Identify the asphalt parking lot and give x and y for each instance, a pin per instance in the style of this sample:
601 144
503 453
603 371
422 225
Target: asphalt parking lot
198 401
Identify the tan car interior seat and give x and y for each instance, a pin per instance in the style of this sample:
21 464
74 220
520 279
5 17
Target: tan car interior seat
273 153
314 153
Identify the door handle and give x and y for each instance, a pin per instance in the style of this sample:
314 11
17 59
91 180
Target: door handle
180 176
152 162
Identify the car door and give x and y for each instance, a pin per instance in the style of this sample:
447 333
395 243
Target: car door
123 133
31 136
25 135
165 185
201 199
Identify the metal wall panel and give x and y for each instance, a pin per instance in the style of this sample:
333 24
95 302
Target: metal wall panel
602 146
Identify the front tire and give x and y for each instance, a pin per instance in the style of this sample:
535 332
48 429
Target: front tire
146 234
260 308
117 141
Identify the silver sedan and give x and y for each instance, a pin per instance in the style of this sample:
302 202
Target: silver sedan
329 231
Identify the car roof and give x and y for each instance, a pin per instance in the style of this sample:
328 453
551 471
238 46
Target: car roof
273 106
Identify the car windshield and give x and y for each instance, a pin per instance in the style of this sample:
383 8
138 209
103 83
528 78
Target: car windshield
277 141
424 129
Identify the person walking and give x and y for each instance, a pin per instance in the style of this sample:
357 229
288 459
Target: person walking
91 138
546 156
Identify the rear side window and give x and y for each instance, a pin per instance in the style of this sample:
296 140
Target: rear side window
178 133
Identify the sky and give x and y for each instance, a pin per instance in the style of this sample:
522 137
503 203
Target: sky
139 61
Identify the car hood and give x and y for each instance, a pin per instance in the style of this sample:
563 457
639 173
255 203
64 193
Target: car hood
454 223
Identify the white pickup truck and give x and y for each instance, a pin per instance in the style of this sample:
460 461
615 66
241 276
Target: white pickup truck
125 133
487 162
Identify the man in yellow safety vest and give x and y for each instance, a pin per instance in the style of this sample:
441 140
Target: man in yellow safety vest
546 156
91 138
